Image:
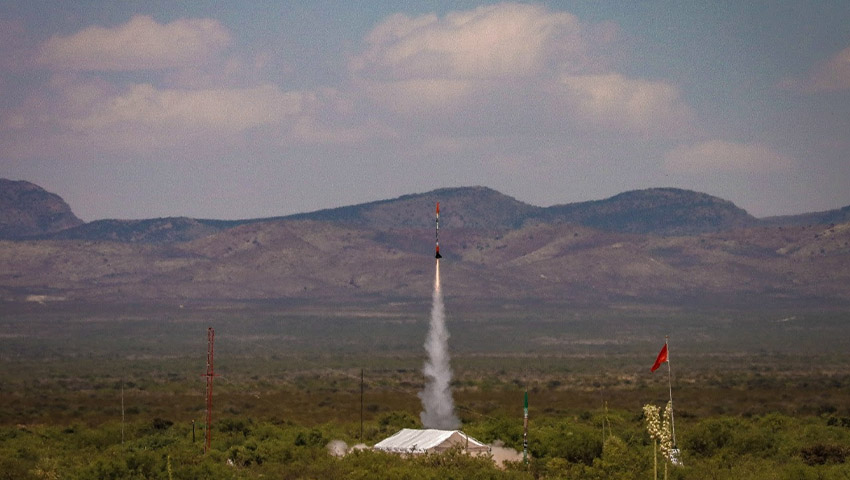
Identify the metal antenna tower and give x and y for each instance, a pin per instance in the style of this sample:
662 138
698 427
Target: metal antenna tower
210 374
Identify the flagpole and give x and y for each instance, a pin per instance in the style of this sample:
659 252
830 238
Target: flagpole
670 386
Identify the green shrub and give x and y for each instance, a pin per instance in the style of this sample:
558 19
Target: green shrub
821 454
312 438
576 443
709 436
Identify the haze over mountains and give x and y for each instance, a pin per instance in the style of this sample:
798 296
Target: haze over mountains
656 246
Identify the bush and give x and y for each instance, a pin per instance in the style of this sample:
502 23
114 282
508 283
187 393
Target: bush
397 420
822 454
234 425
161 424
709 436
577 444
313 438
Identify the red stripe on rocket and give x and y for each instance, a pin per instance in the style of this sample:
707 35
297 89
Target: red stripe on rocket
438 232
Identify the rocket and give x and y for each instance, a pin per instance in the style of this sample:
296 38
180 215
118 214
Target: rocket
438 232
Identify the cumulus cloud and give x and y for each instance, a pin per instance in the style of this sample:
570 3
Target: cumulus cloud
615 101
420 96
497 41
504 70
226 109
723 156
97 116
439 65
140 44
329 117
832 76
535 68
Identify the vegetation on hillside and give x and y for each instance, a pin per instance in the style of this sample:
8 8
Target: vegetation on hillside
561 446
758 395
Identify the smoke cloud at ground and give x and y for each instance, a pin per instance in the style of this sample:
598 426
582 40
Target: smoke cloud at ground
337 448
439 410
502 454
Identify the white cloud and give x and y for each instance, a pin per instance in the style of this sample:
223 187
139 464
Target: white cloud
224 109
91 116
496 41
96 116
723 156
329 117
618 102
832 76
415 65
505 67
140 44
420 96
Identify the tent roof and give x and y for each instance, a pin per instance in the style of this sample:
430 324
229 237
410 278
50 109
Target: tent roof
409 440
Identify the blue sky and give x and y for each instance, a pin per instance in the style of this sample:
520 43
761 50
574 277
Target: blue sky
251 109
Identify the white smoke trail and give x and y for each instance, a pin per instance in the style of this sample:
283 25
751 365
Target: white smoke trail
437 396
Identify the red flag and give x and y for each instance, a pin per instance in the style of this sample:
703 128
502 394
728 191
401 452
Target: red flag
662 357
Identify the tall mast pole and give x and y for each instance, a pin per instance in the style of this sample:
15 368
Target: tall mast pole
210 374
670 386
122 410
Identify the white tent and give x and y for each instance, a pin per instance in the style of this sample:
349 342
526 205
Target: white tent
414 441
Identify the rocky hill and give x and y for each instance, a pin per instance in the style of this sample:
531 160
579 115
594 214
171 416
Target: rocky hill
659 211
157 230
659 246
840 215
478 208
328 262
27 210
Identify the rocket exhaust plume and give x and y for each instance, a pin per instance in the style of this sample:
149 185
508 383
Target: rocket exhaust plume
436 398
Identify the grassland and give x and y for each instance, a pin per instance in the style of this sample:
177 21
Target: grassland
756 391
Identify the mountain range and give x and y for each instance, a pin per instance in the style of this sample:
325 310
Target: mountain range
654 246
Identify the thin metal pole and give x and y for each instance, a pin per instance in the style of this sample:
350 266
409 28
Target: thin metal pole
670 386
605 421
122 410
210 374
361 405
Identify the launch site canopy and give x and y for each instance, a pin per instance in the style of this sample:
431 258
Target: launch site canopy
414 441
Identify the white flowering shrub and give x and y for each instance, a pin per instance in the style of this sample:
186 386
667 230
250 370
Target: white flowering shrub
660 428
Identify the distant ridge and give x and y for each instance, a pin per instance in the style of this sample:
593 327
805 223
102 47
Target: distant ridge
840 215
666 246
157 230
463 207
27 209
660 211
